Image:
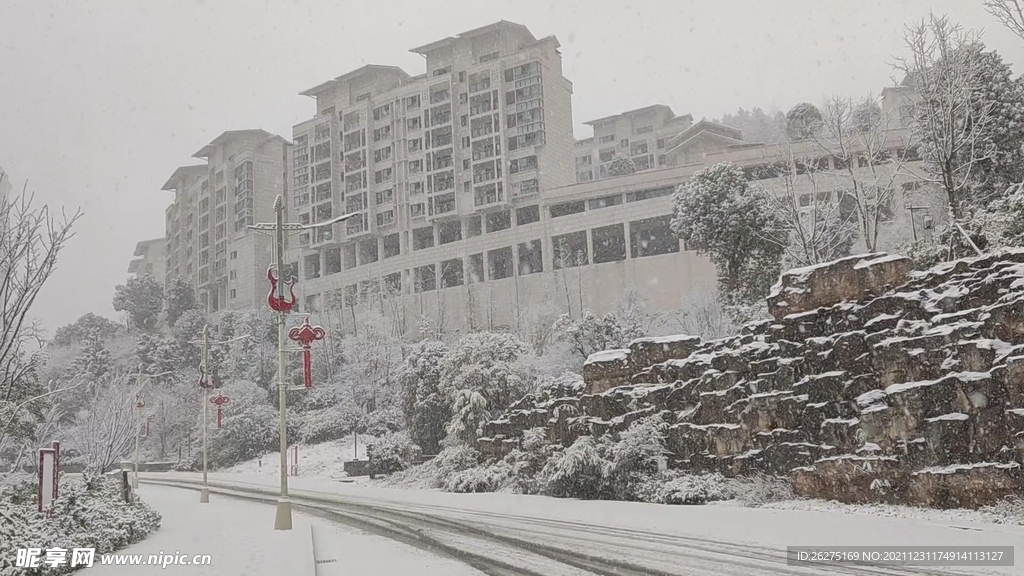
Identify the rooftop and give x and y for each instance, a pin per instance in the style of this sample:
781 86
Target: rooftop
645 109
499 25
229 136
184 172
402 74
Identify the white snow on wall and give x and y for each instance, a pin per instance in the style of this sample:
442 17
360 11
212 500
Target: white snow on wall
618 354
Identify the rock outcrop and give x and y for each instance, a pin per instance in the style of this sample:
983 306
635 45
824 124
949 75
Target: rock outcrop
872 383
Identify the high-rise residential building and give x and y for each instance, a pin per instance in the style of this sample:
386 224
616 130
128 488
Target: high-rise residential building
5 184
643 135
208 241
151 260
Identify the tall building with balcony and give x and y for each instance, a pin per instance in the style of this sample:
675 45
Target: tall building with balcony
150 260
644 135
207 239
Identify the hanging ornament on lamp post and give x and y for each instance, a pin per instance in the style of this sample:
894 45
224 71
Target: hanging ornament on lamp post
219 400
306 334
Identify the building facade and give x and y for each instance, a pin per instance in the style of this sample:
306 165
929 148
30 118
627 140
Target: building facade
644 135
150 260
207 239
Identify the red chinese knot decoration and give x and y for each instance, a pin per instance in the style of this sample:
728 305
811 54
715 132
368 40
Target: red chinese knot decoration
220 400
306 334
280 304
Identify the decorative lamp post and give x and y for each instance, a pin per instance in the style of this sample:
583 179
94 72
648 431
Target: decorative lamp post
305 335
219 400
282 304
206 382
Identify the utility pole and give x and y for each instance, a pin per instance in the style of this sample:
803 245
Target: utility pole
206 382
283 304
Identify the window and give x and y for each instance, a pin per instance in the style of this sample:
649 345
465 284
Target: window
451 273
498 221
381 176
583 161
332 260
652 236
233 275
606 138
354 182
356 139
585 176
393 283
382 112
412 102
442 71
423 238
661 143
475 265
609 243
649 193
362 97
644 129
448 232
322 132
523 164
604 202
425 278
382 154
415 188
566 208
234 254
322 192
474 226
499 263
368 251
527 215
301 197
384 196
413 124
638 148
606 155
570 250
624 143
348 256
438 95
382 133
531 259
416 210
233 293
385 218
415 145
525 188
392 245
489 57
323 172
440 115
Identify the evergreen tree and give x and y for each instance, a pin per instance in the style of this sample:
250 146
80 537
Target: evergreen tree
94 359
621 166
143 298
180 298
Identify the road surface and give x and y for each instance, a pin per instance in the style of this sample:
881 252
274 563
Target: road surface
508 535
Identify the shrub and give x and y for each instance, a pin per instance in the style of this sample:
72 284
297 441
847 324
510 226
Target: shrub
392 453
761 489
485 479
89 513
576 472
636 454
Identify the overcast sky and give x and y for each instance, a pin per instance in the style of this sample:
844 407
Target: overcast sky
101 101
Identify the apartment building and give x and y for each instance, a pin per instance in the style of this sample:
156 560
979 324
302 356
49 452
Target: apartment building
5 184
644 135
207 239
151 260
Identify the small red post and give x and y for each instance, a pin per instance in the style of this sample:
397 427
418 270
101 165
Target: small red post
56 468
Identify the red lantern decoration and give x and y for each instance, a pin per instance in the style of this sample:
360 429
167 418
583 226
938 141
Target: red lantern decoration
306 334
139 402
220 400
280 304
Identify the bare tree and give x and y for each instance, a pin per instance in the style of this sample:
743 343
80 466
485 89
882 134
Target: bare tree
106 428
1010 14
951 118
858 138
30 239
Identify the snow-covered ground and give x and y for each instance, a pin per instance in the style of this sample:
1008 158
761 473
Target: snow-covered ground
325 460
673 532
239 537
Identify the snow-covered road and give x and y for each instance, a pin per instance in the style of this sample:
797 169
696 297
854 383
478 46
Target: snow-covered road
540 535
239 537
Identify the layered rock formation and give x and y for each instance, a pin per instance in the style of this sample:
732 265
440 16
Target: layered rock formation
871 383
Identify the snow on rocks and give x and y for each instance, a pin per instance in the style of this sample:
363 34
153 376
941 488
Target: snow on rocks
848 398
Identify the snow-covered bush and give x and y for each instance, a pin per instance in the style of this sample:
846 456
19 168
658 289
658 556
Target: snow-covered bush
250 426
392 453
760 489
635 455
484 479
435 472
469 412
693 489
576 472
89 513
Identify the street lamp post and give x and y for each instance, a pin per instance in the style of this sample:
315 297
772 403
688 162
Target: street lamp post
206 382
140 403
282 304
